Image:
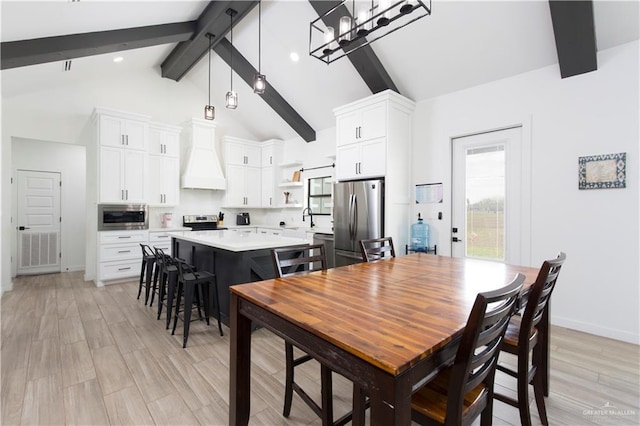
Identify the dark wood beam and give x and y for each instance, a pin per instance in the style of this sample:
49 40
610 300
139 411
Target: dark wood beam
14 54
575 35
364 60
246 71
213 20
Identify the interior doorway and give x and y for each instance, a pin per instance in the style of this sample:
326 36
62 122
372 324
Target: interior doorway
38 222
488 200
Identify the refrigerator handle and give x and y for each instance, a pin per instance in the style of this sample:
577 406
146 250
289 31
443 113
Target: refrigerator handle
355 216
350 216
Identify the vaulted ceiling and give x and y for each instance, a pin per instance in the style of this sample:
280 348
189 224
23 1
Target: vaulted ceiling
463 44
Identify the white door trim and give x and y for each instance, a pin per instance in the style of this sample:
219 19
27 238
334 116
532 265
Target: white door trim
470 128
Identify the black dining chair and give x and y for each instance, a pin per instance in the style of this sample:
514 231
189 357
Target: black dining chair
523 338
376 249
290 261
461 392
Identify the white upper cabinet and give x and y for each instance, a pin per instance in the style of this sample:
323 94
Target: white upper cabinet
242 153
122 132
369 122
164 165
250 170
164 140
122 157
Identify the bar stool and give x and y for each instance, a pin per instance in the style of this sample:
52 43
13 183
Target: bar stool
196 285
168 279
148 261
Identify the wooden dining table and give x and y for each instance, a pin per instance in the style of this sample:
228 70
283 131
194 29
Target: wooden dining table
388 326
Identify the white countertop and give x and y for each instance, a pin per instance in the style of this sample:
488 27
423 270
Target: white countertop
235 241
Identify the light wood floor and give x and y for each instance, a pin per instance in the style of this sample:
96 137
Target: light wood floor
76 354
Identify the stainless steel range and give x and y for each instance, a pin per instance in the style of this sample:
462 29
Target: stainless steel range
201 222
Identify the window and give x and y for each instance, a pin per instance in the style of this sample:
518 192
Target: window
319 195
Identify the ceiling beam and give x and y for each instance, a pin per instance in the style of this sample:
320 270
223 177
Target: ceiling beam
14 54
246 71
213 20
364 60
575 35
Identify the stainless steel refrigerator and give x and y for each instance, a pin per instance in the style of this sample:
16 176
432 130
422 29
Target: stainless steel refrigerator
358 214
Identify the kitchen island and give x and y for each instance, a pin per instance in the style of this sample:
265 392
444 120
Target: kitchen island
234 257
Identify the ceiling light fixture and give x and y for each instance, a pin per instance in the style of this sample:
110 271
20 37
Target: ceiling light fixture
360 24
209 110
232 97
259 80
294 57
118 59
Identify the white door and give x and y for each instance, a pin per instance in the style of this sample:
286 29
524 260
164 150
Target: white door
489 199
38 222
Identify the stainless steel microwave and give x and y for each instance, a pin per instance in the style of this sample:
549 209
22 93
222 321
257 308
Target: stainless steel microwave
119 217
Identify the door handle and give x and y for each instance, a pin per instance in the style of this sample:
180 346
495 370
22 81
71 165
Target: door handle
22 228
456 240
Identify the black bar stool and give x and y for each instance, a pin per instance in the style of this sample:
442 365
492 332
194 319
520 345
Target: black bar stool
148 261
167 282
194 285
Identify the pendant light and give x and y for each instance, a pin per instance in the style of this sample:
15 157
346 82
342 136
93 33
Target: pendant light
259 80
209 110
232 97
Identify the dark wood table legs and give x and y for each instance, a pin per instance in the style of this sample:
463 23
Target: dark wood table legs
240 366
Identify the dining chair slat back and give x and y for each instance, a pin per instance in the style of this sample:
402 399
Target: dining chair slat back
523 336
377 248
461 392
301 259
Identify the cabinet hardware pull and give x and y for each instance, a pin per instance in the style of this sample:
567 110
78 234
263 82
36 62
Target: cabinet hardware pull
126 192
122 237
124 251
121 139
124 269
127 140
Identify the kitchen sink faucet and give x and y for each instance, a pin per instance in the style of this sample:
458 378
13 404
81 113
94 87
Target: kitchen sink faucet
310 214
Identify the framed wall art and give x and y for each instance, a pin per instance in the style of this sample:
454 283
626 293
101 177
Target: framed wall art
602 171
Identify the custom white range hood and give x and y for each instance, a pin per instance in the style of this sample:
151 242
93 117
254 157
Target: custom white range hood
201 165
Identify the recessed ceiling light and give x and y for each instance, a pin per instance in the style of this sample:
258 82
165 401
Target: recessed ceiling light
118 59
294 57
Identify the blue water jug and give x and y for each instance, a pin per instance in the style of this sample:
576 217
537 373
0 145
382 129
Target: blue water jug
420 235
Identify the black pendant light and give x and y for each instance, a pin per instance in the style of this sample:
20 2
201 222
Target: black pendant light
232 97
259 80
209 110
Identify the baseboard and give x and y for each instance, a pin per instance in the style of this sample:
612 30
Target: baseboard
598 330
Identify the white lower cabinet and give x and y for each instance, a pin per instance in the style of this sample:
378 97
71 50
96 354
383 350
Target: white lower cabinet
244 230
119 254
160 239
269 231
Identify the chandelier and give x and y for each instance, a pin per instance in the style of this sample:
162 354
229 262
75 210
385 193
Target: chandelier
351 25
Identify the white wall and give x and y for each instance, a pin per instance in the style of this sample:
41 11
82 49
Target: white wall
594 113
69 160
